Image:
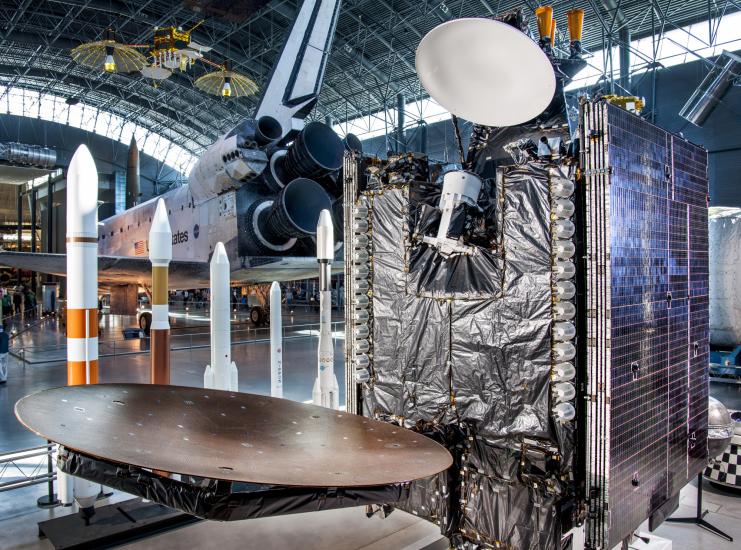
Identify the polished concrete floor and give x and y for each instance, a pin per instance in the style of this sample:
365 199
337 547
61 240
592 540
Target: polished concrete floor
128 360
347 529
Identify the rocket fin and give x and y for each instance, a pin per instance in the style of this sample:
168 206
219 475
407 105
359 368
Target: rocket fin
208 378
234 377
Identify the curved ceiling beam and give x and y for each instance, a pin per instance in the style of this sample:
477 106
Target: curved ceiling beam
43 77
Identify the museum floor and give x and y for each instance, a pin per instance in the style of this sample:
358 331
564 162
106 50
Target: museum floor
128 360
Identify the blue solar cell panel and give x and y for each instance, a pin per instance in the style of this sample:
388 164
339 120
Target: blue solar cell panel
647 296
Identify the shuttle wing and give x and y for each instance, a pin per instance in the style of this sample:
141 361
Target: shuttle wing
125 270
112 270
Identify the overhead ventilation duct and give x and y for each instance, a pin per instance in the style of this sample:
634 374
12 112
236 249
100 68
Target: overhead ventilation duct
28 155
711 90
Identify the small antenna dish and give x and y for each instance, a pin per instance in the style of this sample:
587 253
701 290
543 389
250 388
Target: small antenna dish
485 71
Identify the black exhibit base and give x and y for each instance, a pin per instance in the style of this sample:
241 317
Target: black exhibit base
112 525
699 518
223 500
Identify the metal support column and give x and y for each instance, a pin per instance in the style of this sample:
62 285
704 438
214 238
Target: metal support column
401 146
34 198
50 221
20 228
624 49
423 137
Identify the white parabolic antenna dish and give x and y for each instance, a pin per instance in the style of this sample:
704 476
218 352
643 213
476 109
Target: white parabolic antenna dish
485 71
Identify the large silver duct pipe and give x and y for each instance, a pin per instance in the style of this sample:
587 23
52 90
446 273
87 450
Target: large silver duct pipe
711 90
28 155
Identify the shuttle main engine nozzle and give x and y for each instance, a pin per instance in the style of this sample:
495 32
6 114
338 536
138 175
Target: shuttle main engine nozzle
277 223
316 152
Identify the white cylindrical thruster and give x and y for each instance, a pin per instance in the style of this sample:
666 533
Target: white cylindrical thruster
565 290
563 391
563 188
563 208
563 229
563 372
564 351
564 331
563 249
564 412
564 269
564 311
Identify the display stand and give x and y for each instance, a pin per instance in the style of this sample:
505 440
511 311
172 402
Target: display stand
699 518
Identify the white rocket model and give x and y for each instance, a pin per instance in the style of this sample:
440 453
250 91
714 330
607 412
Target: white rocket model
221 374
276 342
326 390
82 297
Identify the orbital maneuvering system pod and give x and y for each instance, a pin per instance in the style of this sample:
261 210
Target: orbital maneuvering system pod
326 389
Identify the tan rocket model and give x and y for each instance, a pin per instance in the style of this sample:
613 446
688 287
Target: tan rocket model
160 254
82 269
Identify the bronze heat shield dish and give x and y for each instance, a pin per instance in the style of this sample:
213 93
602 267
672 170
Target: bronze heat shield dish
230 436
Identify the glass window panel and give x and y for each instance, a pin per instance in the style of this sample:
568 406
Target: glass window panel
127 130
88 118
150 144
103 123
15 102
74 117
46 107
140 135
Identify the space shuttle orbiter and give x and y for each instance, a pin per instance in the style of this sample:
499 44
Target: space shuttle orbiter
259 188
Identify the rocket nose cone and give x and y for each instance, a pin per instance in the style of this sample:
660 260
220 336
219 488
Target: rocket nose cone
325 237
160 235
160 222
275 287
82 192
325 219
220 256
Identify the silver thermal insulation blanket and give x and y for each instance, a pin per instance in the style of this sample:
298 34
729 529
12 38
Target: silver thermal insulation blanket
462 348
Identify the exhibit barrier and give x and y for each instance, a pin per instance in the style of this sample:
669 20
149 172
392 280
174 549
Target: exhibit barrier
25 320
114 347
27 467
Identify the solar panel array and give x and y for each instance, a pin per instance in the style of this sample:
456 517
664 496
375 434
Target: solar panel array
647 317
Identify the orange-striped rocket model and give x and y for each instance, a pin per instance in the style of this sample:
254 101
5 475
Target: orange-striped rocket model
82 300
160 254
82 269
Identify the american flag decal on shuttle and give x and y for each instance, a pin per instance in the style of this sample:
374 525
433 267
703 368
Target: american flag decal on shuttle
141 248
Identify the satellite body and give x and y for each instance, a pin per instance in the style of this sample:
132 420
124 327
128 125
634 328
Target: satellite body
562 358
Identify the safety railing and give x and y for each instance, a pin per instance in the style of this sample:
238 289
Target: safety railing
33 355
25 320
32 466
